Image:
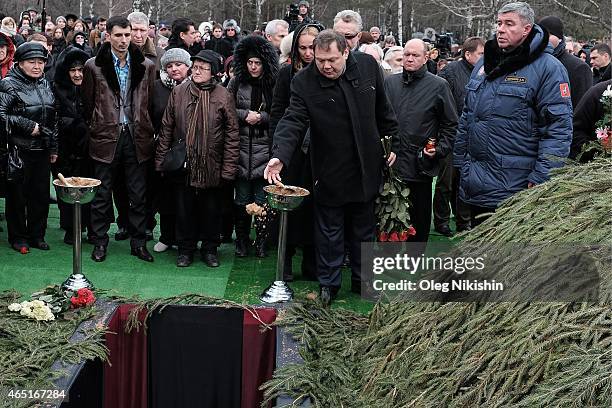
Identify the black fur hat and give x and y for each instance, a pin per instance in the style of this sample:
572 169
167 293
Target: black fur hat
256 46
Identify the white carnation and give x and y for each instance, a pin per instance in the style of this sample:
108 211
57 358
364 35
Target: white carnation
608 92
14 307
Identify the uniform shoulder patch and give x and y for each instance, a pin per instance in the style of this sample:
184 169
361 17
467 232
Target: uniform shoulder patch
565 90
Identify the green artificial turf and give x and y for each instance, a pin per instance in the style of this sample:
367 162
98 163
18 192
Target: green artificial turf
237 279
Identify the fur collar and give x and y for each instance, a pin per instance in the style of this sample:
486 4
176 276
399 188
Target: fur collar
104 60
534 45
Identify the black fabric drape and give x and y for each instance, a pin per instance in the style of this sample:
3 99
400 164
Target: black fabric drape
187 368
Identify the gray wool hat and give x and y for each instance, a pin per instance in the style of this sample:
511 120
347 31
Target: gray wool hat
175 55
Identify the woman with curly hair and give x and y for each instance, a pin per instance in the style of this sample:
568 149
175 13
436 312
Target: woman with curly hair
255 72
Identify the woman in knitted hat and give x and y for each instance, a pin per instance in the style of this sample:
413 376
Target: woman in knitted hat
200 114
175 69
256 70
27 110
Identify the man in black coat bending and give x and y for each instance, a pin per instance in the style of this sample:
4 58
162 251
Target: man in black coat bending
342 98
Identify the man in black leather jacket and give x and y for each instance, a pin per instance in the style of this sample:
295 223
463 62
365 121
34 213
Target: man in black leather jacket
27 113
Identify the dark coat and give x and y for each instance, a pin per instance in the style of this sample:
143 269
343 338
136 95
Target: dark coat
25 102
580 75
425 109
221 141
72 129
370 115
101 98
175 42
517 121
161 93
587 113
457 74
602 74
255 141
220 46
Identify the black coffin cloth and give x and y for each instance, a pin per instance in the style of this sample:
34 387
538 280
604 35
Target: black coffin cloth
195 357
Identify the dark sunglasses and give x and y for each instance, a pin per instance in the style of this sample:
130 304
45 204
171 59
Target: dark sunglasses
350 36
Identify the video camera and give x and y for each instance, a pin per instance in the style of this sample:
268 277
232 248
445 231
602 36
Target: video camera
294 12
444 43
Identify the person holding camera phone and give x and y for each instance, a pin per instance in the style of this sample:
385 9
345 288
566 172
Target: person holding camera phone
27 114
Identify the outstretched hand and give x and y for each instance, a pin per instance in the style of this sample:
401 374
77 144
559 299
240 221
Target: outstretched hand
272 170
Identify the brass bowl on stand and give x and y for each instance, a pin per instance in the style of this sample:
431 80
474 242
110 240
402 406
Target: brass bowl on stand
283 199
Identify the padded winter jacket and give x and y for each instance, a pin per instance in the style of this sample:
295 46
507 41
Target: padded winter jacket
25 102
517 121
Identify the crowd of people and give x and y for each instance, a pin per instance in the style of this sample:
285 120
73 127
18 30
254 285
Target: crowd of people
190 122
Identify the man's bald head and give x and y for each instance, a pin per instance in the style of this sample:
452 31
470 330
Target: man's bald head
417 43
415 55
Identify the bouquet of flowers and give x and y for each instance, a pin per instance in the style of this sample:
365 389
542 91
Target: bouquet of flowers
53 301
392 205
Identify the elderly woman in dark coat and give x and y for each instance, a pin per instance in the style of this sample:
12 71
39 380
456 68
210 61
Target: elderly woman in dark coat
73 157
200 114
27 114
255 73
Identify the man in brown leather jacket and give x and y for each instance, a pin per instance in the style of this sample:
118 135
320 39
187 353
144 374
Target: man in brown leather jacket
117 89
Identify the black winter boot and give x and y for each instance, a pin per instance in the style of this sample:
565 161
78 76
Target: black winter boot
243 227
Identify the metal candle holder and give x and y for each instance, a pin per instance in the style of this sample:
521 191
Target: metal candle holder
77 195
279 291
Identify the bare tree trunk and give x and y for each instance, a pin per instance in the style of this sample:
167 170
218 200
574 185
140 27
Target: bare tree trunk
400 16
412 27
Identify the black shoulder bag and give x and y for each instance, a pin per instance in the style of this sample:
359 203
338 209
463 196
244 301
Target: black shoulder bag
14 163
175 157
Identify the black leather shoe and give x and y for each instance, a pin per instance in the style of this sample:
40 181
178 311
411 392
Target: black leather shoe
326 296
242 248
183 260
40 244
68 238
210 259
99 253
444 230
142 253
462 228
122 234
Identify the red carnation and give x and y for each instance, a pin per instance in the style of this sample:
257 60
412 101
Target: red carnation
393 237
383 236
84 297
411 231
403 236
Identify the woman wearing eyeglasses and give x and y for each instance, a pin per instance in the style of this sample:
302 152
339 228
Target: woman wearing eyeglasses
200 113
255 73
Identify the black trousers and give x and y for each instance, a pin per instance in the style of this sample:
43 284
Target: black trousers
447 191
122 200
476 211
124 167
198 216
27 203
329 237
420 211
